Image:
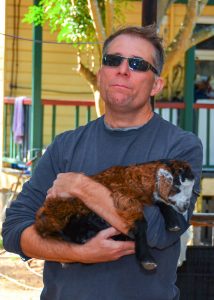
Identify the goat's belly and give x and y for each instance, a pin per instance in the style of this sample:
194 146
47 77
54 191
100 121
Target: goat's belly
82 228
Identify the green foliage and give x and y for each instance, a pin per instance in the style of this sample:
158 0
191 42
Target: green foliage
72 22
71 19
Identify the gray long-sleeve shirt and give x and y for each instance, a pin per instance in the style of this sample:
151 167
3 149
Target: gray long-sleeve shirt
91 149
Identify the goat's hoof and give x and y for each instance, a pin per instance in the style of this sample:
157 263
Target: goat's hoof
149 265
174 228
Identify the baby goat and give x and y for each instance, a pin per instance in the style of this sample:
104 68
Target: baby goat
166 183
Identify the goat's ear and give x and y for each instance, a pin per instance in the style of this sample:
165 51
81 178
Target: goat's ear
164 183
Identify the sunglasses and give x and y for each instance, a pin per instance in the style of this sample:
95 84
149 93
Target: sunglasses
135 63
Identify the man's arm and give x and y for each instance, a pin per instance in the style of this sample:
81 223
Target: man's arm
19 235
99 249
98 199
94 195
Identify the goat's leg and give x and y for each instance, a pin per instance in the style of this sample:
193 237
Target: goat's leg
141 246
170 216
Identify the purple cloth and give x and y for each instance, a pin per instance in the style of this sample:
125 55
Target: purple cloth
18 120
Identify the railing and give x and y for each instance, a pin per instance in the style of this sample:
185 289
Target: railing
203 122
61 115
172 112
201 220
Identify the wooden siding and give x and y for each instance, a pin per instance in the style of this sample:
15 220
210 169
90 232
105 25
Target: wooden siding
59 78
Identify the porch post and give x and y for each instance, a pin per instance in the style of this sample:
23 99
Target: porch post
36 108
149 12
189 77
149 16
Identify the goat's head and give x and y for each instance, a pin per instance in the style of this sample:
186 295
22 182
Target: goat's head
174 184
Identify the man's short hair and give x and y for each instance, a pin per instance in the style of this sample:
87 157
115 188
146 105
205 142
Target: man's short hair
148 33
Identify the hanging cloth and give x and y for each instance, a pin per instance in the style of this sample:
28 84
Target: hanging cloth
18 120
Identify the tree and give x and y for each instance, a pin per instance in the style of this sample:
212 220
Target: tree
186 38
80 21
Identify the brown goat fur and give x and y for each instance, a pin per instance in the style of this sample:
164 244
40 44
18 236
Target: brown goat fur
132 188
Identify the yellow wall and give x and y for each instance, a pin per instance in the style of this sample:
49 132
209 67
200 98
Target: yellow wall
59 62
2 46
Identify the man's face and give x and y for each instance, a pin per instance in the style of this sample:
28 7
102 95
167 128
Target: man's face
121 88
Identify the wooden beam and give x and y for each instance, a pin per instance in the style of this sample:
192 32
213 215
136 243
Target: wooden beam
36 107
149 12
149 16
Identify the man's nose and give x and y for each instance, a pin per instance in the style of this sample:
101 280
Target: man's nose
123 68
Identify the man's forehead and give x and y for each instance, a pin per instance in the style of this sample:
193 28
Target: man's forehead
131 45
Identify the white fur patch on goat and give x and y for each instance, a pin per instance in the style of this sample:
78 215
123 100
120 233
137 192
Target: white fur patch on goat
181 200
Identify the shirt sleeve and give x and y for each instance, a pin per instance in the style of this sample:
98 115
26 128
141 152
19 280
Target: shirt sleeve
21 213
190 150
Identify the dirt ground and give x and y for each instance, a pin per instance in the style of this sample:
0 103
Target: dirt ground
18 280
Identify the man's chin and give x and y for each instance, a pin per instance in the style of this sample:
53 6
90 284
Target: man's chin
120 100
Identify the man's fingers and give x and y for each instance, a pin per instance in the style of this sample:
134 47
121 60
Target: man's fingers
50 194
53 193
109 232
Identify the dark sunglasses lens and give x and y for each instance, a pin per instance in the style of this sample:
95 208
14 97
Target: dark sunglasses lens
137 64
112 60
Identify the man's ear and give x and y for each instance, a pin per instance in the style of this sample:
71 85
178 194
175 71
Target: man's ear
157 86
98 79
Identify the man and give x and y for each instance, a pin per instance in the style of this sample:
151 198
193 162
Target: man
129 132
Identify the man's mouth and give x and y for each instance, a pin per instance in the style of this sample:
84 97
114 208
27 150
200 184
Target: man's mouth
120 85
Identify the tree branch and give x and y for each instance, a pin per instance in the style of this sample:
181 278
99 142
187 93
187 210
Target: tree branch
180 44
162 7
201 36
97 21
90 77
109 16
201 5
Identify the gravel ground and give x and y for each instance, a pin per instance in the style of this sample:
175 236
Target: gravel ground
17 281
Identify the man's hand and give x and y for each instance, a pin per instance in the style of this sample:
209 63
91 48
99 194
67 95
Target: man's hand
103 248
68 185
93 194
